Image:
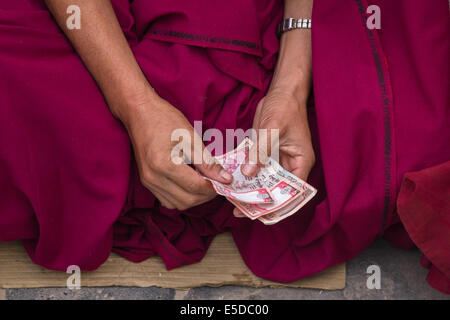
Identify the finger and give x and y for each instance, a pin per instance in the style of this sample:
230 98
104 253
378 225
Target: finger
163 199
250 169
148 180
210 168
301 173
238 213
196 153
181 198
189 180
301 168
258 155
251 166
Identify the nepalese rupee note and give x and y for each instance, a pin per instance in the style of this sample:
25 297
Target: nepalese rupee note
271 196
242 189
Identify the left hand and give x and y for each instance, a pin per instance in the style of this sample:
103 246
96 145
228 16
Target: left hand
283 111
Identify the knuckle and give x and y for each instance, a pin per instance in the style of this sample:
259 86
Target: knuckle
157 162
168 206
194 186
146 177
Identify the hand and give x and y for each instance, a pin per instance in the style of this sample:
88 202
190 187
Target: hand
177 186
280 110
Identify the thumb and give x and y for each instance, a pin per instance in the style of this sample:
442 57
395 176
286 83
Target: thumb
302 173
303 169
260 151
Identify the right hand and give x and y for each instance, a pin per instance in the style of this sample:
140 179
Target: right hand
177 186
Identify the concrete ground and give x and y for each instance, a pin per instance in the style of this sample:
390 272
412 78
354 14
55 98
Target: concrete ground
402 277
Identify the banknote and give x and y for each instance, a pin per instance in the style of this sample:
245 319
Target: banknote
291 208
283 194
243 189
271 196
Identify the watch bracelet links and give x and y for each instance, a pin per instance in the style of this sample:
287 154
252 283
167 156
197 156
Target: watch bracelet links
291 24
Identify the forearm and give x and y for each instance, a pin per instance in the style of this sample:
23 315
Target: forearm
293 71
104 50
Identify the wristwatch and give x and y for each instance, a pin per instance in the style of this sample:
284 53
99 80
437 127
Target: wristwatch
291 23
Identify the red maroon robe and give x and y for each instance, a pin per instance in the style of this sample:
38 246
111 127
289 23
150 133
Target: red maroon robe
68 182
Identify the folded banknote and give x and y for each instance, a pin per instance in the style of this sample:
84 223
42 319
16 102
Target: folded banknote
271 196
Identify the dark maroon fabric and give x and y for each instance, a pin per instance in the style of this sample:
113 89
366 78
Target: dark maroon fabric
69 186
424 208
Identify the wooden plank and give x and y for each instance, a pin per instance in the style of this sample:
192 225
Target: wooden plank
222 265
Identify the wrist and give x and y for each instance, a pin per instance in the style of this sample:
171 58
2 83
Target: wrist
294 87
132 104
287 101
293 70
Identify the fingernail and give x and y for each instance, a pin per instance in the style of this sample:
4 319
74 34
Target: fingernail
224 174
248 169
